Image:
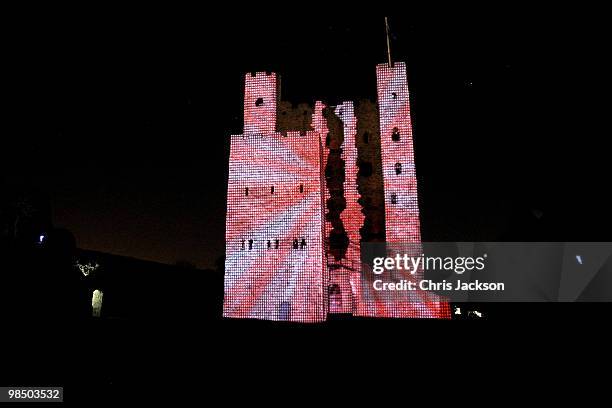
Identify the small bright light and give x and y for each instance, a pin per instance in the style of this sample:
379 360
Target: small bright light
88 268
41 238
96 303
579 259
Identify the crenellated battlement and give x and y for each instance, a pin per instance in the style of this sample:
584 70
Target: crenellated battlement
261 95
259 74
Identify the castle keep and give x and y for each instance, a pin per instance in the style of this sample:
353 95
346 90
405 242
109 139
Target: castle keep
301 199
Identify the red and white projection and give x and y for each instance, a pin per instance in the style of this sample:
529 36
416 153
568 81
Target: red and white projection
277 262
345 277
274 227
402 223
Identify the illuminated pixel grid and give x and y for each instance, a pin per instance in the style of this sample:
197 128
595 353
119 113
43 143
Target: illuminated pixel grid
319 124
260 102
347 277
344 276
402 224
276 257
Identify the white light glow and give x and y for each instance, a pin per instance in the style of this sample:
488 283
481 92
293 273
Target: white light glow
96 303
88 268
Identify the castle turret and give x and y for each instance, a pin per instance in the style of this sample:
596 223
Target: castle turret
397 153
260 101
402 223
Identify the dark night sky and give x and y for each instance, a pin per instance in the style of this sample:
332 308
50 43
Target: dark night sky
123 118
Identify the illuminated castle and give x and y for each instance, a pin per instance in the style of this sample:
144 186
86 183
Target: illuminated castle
279 259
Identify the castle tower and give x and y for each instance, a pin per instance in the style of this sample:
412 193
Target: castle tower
279 262
402 223
397 154
275 260
260 101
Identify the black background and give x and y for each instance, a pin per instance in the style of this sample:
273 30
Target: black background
122 117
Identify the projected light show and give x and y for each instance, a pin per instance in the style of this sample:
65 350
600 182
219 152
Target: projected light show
402 224
201 199
279 261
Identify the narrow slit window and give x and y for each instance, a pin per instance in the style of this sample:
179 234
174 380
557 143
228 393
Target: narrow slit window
301 188
246 191
250 244
398 168
295 244
303 243
272 190
276 244
395 136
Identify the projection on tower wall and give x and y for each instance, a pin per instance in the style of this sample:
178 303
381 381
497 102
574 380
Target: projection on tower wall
278 262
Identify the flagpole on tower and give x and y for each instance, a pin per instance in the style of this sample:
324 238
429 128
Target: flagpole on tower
388 42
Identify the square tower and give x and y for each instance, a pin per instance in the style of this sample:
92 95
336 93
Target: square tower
402 222
275 261
260 102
